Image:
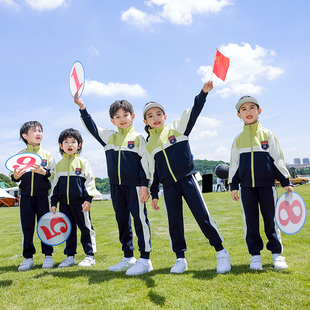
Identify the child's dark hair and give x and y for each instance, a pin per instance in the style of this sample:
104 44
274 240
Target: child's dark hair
118 104
70 133
25 128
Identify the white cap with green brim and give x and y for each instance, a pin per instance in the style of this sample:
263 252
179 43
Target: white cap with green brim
151 105
245 99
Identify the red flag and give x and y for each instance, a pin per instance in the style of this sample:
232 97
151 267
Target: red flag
221 64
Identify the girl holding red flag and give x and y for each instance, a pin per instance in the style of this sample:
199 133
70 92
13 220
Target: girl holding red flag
173 166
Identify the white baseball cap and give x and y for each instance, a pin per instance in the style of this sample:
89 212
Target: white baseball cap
245 99
150 105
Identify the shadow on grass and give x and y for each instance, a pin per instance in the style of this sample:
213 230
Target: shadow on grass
96 276
15 268
4 283
8 269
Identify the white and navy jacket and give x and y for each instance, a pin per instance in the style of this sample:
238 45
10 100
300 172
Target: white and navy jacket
170 149
73 181
127 158
256 159
35 184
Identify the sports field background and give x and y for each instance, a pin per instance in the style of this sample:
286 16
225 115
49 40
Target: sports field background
198 288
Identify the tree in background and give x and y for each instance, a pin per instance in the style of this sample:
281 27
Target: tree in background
103 185
7 181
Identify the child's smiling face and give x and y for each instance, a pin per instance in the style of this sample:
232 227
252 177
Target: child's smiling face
122 119
155 117
70 145
249 112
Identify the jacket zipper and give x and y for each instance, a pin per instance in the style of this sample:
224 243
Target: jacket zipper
119 163
32 178
68 181
252 158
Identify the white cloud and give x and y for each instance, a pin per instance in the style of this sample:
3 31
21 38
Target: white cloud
10 3
220 153
92 51
41 5
205 151
139 18
205 128
247 66
208 122
178 12
113 89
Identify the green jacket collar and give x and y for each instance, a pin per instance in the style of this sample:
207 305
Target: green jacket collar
66 156
154 131
33 149
253 127
125 130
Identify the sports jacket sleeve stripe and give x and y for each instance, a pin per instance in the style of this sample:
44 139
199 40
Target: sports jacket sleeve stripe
145 159
233 178
89 182
275 152
54 191
100 134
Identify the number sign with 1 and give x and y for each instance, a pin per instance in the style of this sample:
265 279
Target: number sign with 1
77 79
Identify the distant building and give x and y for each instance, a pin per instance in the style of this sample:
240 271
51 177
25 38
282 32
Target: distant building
297 161
305 161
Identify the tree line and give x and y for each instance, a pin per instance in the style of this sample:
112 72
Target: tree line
203 166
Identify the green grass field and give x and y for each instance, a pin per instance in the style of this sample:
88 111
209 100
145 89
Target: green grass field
198 288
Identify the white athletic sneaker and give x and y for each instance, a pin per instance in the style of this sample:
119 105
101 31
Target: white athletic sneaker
26 264
124 264
279 262
256 262
180 266
67 262
87 261
48 262
141 266
223 261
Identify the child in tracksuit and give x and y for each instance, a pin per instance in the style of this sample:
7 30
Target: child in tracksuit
34 186
173 167
129 176
74 187
256 161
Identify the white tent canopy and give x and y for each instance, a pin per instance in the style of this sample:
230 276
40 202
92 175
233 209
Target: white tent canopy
4 194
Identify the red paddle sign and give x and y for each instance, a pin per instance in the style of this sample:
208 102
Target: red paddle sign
54 229
291 213
23 161
77 79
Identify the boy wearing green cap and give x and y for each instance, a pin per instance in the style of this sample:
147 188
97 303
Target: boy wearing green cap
256 161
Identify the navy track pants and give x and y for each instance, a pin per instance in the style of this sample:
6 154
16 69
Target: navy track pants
83 222
126 202
189 189
253 199
30 208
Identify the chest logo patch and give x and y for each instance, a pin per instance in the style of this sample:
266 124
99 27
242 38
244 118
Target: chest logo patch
264 145
78 171
44 163
131 144
172 139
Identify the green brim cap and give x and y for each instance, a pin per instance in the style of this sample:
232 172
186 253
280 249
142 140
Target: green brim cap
245 99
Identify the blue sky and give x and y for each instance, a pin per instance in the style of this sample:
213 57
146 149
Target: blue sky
156 50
